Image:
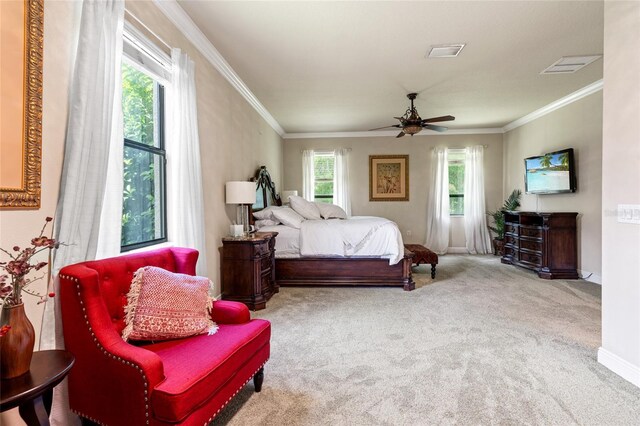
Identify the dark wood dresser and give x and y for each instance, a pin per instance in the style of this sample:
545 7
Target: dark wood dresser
248 269
543 242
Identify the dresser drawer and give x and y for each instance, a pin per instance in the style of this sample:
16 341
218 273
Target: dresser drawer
530 258
265 263
531 245
510 251
261 249
510 239
531 232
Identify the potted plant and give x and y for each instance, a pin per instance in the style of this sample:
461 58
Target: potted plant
511 203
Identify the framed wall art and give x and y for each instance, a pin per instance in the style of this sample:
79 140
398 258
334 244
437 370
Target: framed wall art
21 31
388 178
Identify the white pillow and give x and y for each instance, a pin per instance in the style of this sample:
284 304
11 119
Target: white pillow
331 211
266 222
304 208
266 213
288 217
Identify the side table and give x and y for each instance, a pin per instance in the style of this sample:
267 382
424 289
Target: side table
48 368
248 269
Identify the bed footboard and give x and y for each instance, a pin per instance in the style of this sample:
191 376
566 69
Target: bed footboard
345 271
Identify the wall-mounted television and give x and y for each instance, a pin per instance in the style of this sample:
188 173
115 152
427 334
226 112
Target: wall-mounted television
551 173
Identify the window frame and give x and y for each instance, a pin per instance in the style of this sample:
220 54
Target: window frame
332 180
456 153
159 151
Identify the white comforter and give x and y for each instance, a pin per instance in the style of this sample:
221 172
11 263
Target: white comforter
357 236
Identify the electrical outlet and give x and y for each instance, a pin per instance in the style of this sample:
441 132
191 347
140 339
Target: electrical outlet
629 213
408 232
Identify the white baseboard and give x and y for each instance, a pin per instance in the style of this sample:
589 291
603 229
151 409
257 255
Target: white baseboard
590 276
457 250
621 367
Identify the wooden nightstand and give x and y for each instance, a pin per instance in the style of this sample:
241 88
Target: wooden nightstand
248 269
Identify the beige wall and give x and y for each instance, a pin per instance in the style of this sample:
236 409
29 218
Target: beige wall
621 174
411 215
577 126
18 227
234 139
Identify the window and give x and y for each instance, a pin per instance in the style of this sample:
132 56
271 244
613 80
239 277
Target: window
456 182
323 167
144 195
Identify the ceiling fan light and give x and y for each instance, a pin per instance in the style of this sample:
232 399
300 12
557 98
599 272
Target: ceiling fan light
412 129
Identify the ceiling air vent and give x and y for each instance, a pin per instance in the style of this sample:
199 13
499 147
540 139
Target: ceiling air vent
445 50
570 64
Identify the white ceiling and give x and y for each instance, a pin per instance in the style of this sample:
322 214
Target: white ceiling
347 66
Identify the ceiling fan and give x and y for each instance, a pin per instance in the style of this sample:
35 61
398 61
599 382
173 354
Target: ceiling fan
411 123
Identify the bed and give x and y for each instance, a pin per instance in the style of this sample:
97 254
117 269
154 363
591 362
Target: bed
294 268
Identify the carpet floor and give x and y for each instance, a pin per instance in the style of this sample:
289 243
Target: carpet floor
483 343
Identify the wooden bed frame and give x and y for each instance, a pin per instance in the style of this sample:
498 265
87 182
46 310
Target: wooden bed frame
320 271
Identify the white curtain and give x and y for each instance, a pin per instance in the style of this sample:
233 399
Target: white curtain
341 180
185 201
438 203
476 233
93 151
308 175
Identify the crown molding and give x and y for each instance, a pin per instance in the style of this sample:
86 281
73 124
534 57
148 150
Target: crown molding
185 24
386 133
562 102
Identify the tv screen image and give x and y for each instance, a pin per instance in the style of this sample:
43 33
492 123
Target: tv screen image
550 173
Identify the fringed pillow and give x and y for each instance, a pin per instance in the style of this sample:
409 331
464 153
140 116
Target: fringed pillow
162 305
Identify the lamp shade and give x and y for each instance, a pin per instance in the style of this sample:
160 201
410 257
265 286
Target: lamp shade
240 192
286 194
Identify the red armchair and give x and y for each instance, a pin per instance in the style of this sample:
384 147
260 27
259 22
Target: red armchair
178 382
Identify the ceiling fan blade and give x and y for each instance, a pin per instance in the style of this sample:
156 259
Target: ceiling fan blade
378 128
437 119
436 128
401 134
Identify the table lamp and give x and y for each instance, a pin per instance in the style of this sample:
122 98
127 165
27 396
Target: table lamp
242 194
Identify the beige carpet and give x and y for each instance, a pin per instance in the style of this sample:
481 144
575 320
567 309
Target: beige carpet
483 343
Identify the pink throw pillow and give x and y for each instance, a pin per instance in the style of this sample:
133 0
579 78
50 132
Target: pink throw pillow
162 305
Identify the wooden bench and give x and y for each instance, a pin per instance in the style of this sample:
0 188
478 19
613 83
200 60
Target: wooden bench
423 255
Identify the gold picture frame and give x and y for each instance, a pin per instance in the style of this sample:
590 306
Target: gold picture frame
21 137
388 178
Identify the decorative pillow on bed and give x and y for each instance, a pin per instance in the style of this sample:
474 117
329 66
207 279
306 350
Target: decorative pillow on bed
266 222
288 217
331 211
266 213
162 305
304 208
